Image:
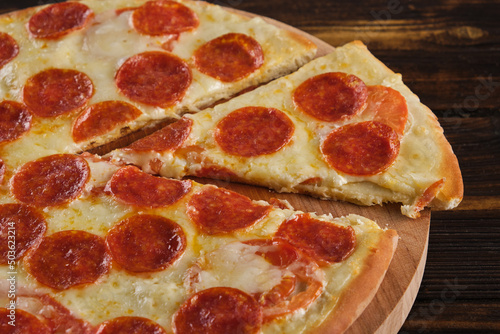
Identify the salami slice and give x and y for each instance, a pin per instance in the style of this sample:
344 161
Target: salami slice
59 19
2 170
230 57
8 48
144 243
21 227
155 78
68 258
101 118
55 91
331 97
388 106
131 186
169 138
15 120
284 299
218 310
51 181
130 325
24 323
163 17
363 149
216 210
254 131
324 242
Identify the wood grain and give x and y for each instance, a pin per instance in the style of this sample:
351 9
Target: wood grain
420 41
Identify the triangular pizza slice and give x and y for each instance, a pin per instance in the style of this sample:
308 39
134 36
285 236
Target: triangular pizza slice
344 126
75 75
107 249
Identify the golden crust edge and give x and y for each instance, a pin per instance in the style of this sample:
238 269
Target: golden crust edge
452 192
360 292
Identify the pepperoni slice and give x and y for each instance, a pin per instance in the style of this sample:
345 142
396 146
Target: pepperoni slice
216 210
218 310
163 17
230 57
325 242
15 120
101 118
21 227
68 258
2 170
51 181
155 78
130 325
169 138
55 91
59 19
132 186
24 323
144 243
254 131
8 48
331 97
284 299
363 149
388 106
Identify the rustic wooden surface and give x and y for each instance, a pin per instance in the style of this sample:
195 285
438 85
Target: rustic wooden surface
449 55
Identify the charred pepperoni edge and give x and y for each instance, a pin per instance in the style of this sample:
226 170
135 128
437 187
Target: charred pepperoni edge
49 264
361 149
254 131
219 211
154 78
31 186
163 17
25 322
28 224
324 242
58 12
39 89
218 310
9 48
331 97
146 243
132 186
101 118
169 138
17 119
216 58
131 325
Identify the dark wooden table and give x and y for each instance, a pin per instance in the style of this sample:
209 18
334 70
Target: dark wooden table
449 54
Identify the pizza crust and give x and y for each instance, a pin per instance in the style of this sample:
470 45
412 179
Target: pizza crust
359 293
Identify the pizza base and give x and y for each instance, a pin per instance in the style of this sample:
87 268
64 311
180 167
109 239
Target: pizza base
425 156
359 293
88 50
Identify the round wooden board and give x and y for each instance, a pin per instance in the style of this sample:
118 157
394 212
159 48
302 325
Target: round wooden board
392 303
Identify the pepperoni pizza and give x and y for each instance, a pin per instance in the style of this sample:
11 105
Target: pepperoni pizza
343 126
101 248
74 75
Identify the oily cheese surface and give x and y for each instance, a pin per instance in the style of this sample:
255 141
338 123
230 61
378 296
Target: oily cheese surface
422 160
158 295
102 47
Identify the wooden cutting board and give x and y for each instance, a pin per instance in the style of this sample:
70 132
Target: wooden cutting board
392 303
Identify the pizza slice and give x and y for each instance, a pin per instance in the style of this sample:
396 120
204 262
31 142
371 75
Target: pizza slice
75 75
343 126
107 249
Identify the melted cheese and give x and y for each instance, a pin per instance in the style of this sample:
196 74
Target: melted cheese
415 169
158 295
100 49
